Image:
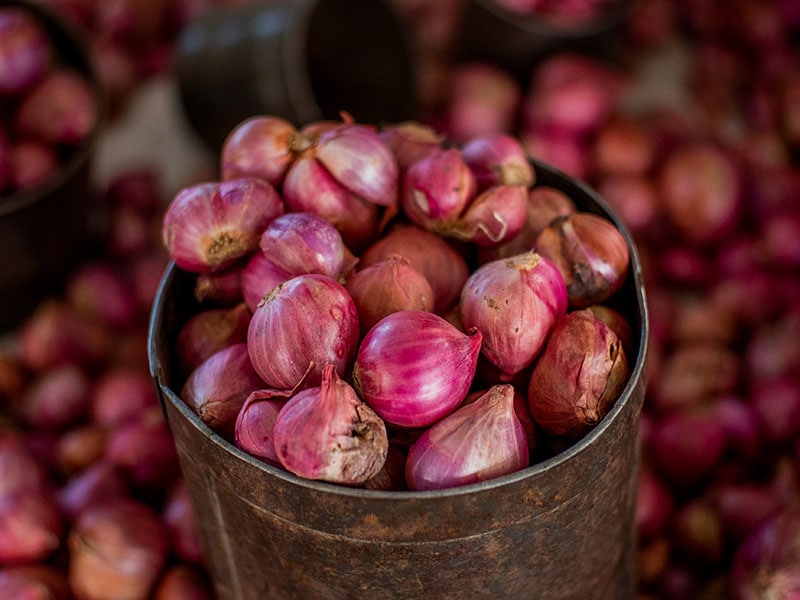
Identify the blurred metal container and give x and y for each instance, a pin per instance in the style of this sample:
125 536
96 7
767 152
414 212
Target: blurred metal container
561 529
517 42
302 60
43 230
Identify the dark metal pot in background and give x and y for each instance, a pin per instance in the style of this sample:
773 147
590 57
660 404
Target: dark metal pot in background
562 529
302 60
43 231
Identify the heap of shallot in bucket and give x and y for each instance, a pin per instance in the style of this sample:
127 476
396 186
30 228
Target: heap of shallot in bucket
378 308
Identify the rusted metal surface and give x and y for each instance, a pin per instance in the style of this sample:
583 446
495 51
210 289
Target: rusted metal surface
562 529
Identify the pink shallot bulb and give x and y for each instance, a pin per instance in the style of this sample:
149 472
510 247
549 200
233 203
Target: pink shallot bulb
514 303
479 441
410 141
327 433
414 367
25 50
255 422
219 386
301 243
442 265
578 376
301 326
495 216
208 332
437 189
386 287
591 254
208 226
259 277
498 159
261 146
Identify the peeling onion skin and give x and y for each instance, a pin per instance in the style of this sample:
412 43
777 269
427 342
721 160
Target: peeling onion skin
414 367
494 217
479 441
514 303
591 254
578 376
301 326
208 226
327 433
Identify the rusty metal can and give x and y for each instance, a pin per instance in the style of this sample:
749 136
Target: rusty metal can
561 529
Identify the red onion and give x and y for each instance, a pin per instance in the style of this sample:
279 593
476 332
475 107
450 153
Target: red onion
744 507
701 191
766 563
514 303
327 433
303 243
494 217
654 505
33 582
25 50
687 447
145 450
591 254
30 526
414 367
79 447
99 483
410 141
259 277
217 389
56 398
578 376
624 146
32 163
437 189
479 441
634 199
544 205
117 550
181 582
209 225
310 188
180 520
121 393
61 109
498 159
563 149
56 334
740 425
99 290
301 326
386 287
221 287
19 469
210 331
694 373
255 422
777 405
444 267
482 99
261 146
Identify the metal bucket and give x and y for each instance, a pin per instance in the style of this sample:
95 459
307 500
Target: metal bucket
302 60
561 529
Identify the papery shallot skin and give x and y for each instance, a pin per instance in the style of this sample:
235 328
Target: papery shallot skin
479 441
498 159
414 367
260 146
591 254
253 430
301 326
578 376
219 386
514 303
208 226
327 433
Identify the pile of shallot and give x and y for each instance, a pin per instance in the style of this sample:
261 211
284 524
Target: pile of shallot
92 503
377 308
51 105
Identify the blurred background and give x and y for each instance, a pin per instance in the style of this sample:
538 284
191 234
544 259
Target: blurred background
683 114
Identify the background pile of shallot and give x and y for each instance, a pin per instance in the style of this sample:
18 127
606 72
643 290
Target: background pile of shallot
701 163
